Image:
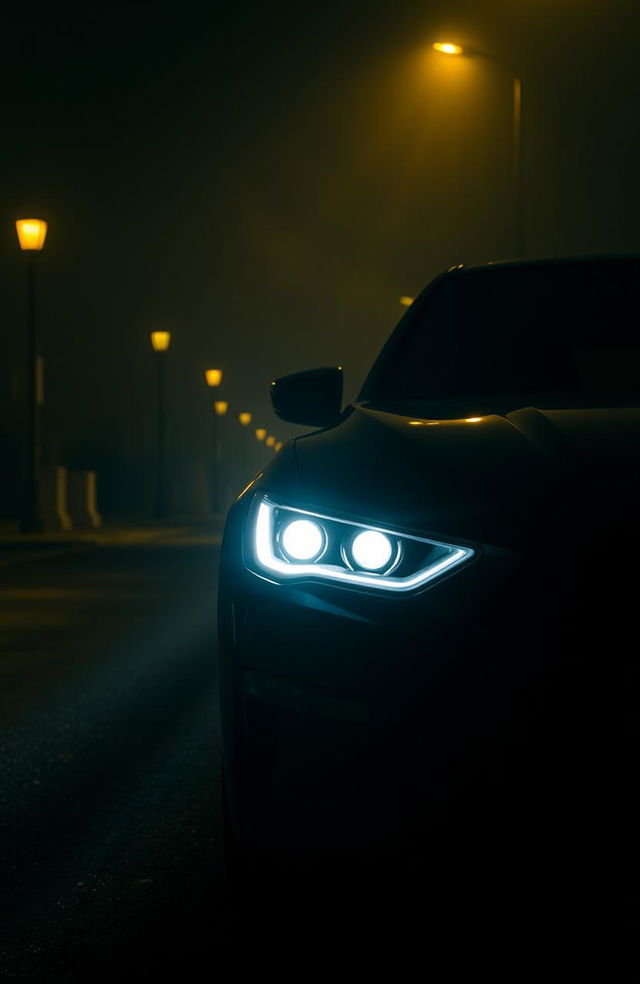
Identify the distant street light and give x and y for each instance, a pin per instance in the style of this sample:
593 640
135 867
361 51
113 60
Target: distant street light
31 236
160 341
270 441
407 301
244 418
213 376
277 446
221 407
260 433
449 48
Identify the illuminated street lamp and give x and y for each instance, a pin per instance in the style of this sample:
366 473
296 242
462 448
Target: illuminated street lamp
270 441
213 376
160 341
277 446
406 301
245 446
449 48
31 236
221 407
260 434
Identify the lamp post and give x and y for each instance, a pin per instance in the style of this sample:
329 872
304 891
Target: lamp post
160 341
214 378
220 407
31 236
244 419
449 48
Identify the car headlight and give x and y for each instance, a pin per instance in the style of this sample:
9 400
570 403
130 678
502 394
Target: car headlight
286 543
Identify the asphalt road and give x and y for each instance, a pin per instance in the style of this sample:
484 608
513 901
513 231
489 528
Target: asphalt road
110 809
111 828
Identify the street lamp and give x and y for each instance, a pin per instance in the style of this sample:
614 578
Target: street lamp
245 449
220 409
160 341
213 376
449 48
260 433
270 441
31 236
406 301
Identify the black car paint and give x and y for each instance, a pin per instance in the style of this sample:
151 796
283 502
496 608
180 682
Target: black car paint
491 676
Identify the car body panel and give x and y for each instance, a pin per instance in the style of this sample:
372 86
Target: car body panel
330 693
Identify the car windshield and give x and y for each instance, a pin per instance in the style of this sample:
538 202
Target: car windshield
564 328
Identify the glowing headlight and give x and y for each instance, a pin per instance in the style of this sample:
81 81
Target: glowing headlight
302 540
285 542
371 550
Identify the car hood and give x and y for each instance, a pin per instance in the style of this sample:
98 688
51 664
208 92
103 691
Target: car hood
491 478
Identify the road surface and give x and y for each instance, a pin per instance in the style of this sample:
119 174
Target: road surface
110 819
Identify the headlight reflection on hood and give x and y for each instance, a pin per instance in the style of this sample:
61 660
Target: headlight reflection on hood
286 543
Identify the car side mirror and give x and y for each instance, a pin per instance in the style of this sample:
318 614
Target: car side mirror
313 397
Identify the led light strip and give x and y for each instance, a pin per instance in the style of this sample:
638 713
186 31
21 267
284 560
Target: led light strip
267 559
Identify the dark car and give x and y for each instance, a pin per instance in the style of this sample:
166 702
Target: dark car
428 606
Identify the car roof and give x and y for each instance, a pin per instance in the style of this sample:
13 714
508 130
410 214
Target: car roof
461 268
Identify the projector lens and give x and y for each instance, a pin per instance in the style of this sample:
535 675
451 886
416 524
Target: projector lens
371 550
302 540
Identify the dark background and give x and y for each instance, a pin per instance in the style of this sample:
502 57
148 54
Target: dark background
265 180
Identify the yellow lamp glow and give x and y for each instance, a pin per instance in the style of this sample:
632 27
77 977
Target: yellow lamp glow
213 376
407 301
447 48
160 340
244 418
31 233
221 407
270 441
277 445
260 433
472 420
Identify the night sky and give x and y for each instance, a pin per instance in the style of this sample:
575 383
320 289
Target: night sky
265 180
